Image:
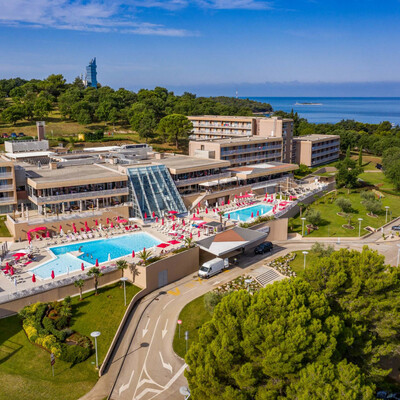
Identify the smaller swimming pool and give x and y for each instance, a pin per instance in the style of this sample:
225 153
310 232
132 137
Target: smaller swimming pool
244 214
101 249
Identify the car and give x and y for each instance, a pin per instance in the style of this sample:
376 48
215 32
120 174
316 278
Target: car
263 248
378 166
4 135
13 135
396 228
381 395
21 134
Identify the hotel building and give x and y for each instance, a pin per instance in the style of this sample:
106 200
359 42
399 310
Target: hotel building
8 191
314 150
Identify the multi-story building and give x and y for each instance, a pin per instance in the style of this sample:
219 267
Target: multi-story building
239 151
209 127
8 194
91 73
313 150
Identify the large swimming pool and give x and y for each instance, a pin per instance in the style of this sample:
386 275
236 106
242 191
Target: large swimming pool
244 214
101 249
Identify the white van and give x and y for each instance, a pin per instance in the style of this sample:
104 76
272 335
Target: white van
212 267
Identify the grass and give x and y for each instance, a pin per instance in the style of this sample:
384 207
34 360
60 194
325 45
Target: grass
4 232
379 180
25 371
193 316
331 224
298 263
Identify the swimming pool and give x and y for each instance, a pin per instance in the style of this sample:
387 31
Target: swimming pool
244 214
101 249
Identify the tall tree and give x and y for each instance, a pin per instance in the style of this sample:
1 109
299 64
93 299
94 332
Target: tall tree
95 273
144 123
175 127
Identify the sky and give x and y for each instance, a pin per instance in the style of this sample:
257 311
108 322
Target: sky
210 47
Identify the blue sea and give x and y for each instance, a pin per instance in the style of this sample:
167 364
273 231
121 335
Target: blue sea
371 110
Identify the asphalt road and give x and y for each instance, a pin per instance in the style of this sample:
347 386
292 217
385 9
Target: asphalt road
145 366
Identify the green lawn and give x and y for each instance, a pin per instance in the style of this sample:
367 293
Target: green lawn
4 232
193 316
332 223
379 180
25 371
298 263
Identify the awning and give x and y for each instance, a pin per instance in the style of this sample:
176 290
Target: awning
220 182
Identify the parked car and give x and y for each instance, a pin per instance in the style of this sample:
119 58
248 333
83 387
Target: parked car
396 228
213 267
263 248
13 135
21 134
378 166
4 135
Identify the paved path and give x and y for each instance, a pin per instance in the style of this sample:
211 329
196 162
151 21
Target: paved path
144 365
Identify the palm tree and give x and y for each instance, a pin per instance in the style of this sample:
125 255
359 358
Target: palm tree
80 283
96 274
65 311
189 242
301 206
122 265
221 214
144 255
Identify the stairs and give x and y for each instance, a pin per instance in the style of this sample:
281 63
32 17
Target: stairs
266 275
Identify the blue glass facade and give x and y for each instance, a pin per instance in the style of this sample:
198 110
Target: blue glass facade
91 73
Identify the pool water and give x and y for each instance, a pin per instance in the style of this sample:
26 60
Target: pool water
101 249
244 214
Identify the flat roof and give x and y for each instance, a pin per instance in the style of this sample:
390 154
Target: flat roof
72 175
179 163
27 154
257 170
312 138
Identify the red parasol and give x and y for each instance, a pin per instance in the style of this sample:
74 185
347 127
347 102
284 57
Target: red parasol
11 271
162 221
145 215
191 236
60 228
52 274
48 234
97 262
163 245
133 253
229 216
198 212
173 241
229 202
33 278
173 212
198 234
183 222
252 215
154 214
112 225
96 222
206 210
157 219
108 221
82 267
258 213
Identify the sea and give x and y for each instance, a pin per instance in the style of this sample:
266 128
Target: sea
372 110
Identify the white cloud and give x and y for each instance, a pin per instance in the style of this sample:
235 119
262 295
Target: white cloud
80 15
209 4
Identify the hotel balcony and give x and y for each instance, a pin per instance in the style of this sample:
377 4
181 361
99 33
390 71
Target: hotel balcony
6 175
192 181
79 196
6 188
7 200
250 150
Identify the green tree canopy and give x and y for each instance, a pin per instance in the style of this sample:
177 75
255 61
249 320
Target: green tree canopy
391 165
175 127
144 123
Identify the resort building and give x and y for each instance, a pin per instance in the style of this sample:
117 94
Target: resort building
239 151
8 193
313 150
210 127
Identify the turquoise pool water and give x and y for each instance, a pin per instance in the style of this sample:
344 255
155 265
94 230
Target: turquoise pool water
101 249
244 214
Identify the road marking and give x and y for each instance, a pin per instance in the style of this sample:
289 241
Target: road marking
175 292
145 330
164 331
167 304
156 391
165 365
126 386
189 285
199 280
226 270
216 283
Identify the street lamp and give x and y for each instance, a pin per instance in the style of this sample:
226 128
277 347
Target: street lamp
387 208
359 226
398 254
305 255
95 335
124 279
302 225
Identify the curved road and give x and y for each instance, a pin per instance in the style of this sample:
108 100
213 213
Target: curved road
144 365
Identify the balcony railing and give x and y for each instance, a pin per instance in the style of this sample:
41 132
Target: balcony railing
251 150
6 200
323 153
191 181
79 196
7 175
6 188
325 159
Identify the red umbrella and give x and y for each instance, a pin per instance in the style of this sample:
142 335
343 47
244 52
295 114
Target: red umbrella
7 265
29 238
52 274
33 278
145 215
60 228
191 236
154 214
258 213
222 203
198 212
183 222
252 215
87 229
11 271
163 245
173 212
173 227
133 253
198 234
96 222
48 234
74 228
97 262
157 219
108 221
229 216
162 221
112 225
194 215
229 202
82 267
206 210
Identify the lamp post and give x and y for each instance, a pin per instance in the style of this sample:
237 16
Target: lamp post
302 225
95 335
398 255
124 279
359 226
305 255
387 208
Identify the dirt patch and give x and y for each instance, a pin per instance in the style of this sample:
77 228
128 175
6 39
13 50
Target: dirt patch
341 214
351 227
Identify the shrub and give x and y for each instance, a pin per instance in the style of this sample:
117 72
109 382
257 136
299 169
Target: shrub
31 332
48 324
61 322
344 204
211 299
368 196
314 217
321 251
372 206
74 354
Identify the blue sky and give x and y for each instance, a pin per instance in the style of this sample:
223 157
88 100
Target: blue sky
208 46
